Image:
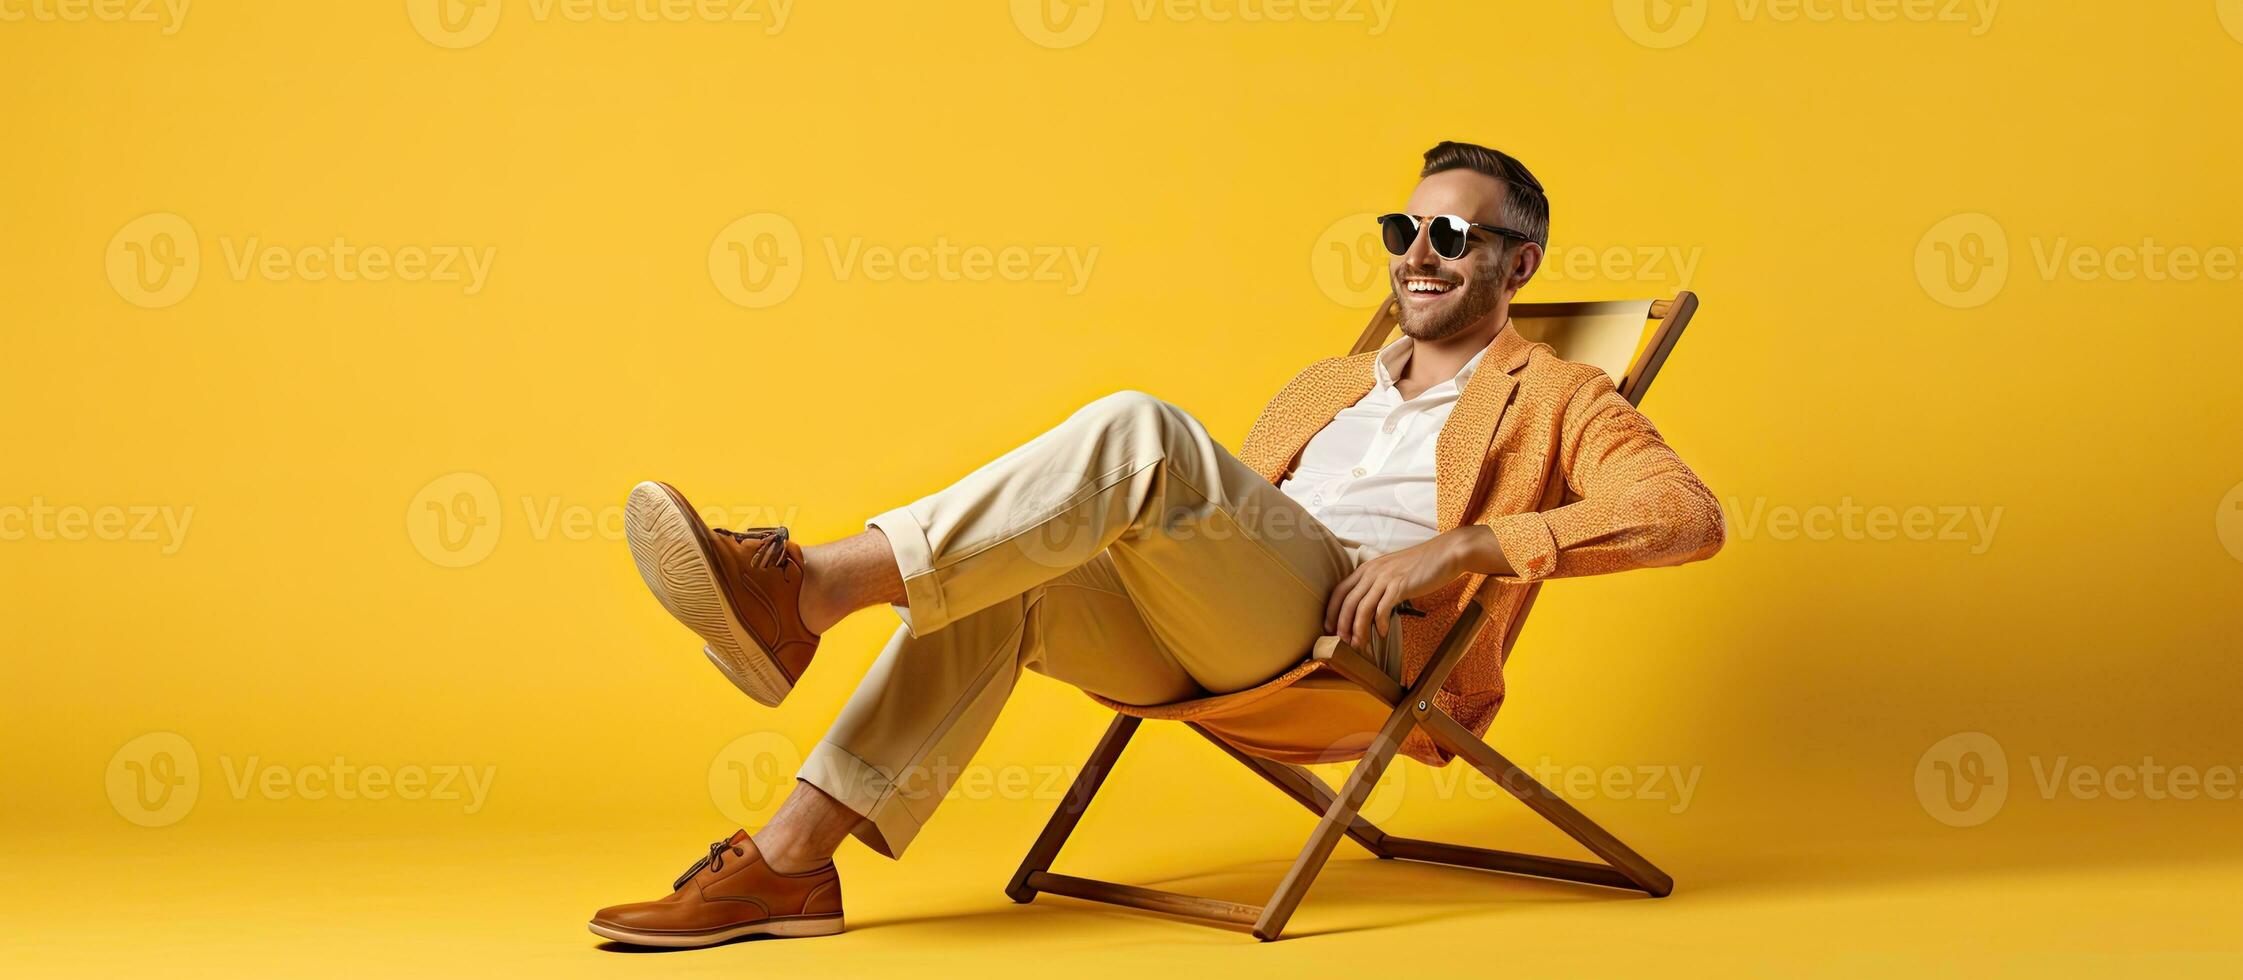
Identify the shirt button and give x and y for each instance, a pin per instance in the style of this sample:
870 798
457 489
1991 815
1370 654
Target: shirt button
1318 499
1359 471
1389 427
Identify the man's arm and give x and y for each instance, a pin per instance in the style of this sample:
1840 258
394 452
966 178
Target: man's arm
1639 507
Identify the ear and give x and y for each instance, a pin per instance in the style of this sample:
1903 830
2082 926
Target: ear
1525 262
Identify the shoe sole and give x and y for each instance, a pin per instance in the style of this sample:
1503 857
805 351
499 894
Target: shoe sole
671 547
790 928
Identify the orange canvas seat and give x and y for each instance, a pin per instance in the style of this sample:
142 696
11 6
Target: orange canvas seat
1305 716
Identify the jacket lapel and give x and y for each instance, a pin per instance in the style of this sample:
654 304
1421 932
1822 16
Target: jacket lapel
1460 455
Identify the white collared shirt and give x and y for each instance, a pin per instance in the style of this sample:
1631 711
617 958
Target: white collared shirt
1369 475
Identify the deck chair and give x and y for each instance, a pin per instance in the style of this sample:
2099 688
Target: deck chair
1630 340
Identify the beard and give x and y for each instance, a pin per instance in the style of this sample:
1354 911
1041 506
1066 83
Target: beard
1481 293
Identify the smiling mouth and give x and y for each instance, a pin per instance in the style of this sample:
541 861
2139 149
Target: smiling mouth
1418 286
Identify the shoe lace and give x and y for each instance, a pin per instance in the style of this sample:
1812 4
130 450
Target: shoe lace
769 552
713 861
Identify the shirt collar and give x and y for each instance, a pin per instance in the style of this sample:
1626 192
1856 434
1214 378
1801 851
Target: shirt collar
1394 356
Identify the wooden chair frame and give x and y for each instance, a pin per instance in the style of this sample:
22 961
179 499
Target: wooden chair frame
1411 709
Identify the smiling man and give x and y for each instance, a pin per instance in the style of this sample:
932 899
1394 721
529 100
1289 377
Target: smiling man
1127 553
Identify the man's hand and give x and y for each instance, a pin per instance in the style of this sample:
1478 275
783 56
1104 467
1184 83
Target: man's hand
1364 599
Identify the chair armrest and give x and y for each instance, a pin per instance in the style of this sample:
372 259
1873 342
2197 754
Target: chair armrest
1335 654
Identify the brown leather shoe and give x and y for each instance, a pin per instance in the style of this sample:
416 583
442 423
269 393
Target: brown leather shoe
726 895
741 590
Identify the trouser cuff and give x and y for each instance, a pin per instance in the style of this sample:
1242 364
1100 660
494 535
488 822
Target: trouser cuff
854 783
924 610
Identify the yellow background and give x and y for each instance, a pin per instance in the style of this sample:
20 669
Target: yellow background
1801 162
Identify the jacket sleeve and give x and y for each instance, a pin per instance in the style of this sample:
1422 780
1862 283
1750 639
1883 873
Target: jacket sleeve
1637 504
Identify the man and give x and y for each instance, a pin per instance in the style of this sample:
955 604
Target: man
1128 554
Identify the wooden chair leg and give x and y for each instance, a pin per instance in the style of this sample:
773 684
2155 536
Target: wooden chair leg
1337 819
1342 813
1549 805
1303 787
1070 812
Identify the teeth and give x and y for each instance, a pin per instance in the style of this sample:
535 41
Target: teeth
1425 286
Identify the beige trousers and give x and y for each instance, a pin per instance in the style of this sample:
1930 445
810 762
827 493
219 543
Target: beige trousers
1123 552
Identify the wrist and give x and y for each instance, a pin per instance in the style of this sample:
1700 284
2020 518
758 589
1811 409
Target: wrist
1458 550
1475 551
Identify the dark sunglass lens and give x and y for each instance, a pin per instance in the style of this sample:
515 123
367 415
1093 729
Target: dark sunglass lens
1448 236
1398 231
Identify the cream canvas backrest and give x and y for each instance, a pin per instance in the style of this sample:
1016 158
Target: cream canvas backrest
1628 338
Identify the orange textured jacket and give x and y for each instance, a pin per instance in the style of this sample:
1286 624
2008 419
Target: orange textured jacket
1629 502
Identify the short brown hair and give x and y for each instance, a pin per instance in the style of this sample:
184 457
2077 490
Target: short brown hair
1526 209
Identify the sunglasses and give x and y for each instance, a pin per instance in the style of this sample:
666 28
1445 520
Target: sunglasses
1448 233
